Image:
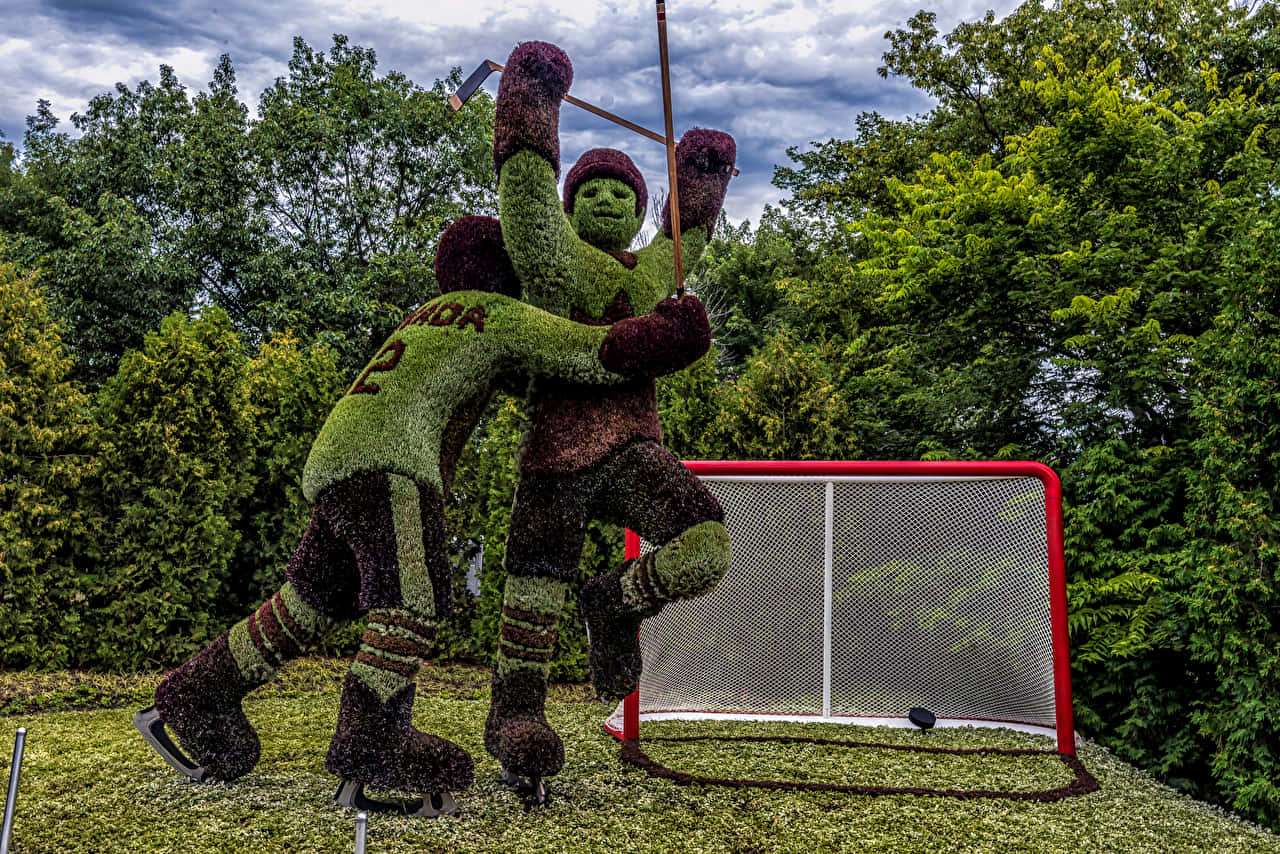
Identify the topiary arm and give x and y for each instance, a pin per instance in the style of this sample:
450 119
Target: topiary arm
657 260
538 342
704 165
543 246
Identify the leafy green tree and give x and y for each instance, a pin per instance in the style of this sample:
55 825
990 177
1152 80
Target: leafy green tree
1232 599
319 217
46 457
1048 289
285 393
975 74
738 279
360 174
783 407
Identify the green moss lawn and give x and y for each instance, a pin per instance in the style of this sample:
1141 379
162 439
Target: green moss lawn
90 784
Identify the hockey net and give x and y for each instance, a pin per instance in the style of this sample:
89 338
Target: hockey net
860 590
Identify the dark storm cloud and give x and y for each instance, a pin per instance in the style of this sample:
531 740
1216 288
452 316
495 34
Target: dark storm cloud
744 71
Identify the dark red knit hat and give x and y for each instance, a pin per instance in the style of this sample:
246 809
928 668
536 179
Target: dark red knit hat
605 163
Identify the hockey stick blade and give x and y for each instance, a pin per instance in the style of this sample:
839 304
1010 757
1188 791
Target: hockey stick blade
471 84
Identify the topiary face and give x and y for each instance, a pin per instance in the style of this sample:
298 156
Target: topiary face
604 214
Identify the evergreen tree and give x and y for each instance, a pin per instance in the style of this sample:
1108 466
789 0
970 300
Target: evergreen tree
46 456
175 446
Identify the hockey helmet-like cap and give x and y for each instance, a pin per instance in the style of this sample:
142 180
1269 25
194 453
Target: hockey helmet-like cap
605 163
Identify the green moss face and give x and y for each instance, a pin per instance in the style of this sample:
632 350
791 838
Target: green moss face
604 214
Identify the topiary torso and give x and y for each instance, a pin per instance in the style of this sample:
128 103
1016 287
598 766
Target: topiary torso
411 409
574 425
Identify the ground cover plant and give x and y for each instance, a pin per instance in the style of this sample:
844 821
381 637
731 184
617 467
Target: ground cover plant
90 784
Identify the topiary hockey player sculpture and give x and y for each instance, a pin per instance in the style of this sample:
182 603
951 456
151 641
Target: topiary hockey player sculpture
591 452
375 544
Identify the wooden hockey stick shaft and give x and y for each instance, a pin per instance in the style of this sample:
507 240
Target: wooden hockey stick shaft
673 194
459 98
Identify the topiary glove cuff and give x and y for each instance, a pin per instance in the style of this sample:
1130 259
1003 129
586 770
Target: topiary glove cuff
675 335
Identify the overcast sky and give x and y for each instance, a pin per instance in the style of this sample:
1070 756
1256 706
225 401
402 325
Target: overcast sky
773 75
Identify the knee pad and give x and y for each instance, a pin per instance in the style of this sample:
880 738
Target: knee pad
694 562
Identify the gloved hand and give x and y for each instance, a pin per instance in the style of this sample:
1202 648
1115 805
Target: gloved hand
704 165
673 336
536 78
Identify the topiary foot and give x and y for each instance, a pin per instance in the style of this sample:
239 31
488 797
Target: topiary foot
612 636
516 731
376 745
199 704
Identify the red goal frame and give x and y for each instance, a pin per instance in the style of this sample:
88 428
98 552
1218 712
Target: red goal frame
1064 722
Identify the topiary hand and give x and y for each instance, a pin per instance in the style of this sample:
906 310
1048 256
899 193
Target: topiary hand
673 336
704 165
537 77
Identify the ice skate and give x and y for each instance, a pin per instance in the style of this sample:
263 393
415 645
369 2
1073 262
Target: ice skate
518 735
197 724
377 746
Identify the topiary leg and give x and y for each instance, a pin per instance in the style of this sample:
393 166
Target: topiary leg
657 496
199 702
517 732
614 604
396 529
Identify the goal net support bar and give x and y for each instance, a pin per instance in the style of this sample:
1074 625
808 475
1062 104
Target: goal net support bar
860 590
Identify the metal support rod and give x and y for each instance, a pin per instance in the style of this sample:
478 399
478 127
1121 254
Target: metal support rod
828 574
673 194
362 830
11 799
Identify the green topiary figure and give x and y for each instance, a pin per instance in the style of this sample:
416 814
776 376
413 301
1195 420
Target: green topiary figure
375 543
591 452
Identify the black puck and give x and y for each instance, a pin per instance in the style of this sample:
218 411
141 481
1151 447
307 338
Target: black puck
922 718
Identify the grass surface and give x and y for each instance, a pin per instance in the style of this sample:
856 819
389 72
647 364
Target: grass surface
90 784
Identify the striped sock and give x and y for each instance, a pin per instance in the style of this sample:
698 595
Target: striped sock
689 565
530 624
642 586
393 647
283 628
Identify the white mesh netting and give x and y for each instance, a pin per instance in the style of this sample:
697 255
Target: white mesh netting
861 598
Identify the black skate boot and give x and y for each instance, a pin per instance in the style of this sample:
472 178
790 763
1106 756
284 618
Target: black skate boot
377 745
613 645
518 735
199 704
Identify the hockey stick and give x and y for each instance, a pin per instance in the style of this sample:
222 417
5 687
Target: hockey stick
472 83
673 194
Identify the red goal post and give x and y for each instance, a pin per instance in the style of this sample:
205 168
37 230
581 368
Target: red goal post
929 603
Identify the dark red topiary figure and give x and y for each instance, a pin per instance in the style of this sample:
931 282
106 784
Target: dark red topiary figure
593 453
471 258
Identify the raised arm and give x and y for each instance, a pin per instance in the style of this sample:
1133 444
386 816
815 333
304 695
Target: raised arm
704 165
526 154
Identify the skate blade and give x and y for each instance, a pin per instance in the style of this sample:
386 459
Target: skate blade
152 728
533 789
351 795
